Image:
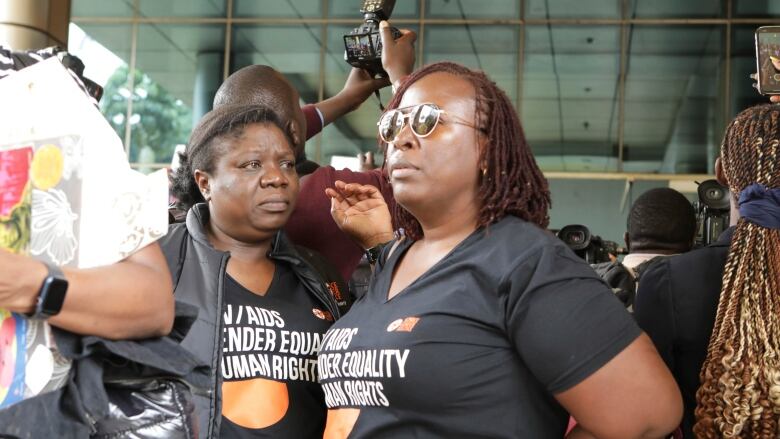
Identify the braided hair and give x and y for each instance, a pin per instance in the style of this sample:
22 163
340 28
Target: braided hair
202 149
512 183
739 396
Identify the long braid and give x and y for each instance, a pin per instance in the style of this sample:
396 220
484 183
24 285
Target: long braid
512 183
740 392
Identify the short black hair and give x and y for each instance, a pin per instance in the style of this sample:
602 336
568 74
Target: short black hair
201 151
661 219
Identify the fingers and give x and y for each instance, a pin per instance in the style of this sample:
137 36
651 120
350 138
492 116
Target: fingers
359 73
353 193
334 195
408 35
385 33
774 99
381 83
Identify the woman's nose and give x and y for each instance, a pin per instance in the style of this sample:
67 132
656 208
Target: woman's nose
274 177
405 138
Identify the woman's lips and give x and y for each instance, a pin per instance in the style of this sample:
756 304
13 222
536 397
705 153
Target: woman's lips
402 168
275 204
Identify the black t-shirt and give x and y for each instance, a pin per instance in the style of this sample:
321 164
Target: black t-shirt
477 345
268 363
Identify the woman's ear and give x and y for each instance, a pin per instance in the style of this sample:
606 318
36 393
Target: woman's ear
294 131
202 179
719 173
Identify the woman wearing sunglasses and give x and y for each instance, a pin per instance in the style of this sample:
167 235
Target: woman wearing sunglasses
479 323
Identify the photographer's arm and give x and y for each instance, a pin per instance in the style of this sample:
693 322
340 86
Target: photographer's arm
357 89
397 60
130 299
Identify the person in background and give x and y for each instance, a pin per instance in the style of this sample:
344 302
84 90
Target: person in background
479 323
712 312
661 223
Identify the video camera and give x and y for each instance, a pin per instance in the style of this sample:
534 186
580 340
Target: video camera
363 45
712 212
592 248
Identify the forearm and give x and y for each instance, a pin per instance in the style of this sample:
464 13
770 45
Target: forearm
129 299
338 105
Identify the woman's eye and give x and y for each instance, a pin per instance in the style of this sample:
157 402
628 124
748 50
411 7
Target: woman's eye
288 164
254 164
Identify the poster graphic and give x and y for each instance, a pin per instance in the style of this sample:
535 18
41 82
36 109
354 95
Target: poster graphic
36 218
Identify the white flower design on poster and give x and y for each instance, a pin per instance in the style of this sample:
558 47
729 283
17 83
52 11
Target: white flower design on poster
53 226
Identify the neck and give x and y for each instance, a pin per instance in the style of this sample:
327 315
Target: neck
448 226
246 251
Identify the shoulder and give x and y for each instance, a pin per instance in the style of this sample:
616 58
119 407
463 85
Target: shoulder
528 245
176 233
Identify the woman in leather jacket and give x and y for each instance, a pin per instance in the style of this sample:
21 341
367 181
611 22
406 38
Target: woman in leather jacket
264 304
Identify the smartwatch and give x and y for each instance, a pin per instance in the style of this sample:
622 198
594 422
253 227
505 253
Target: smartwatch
52 294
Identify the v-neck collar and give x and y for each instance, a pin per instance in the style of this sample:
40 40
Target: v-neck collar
388 269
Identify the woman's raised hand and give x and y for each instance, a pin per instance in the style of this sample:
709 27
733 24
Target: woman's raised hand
361 212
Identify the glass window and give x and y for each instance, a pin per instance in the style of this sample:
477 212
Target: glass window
570 96
103 48
101 8
673 98
277 8
179 67
351 9
572 9
182 8
676 9
492 49
105 52
757 8
471 9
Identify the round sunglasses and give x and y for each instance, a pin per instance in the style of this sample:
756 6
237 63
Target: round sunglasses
423 119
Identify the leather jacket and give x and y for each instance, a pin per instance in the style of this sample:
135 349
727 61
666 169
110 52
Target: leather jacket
198 271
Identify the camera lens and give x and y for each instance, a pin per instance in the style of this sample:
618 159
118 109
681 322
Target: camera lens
576 238
714 194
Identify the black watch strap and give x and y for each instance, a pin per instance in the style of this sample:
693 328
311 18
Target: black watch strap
372 254
52 293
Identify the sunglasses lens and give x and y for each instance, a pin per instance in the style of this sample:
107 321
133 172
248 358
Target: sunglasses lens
424 119
390 125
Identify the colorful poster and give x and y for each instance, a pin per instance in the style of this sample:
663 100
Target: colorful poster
67 196
41 189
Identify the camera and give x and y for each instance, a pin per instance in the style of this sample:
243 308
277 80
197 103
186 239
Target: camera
363 45
592 248
712 212
768 59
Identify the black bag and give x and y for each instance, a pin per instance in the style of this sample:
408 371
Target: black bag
156 408
623 281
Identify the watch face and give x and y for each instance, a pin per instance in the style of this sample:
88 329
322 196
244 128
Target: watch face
52 296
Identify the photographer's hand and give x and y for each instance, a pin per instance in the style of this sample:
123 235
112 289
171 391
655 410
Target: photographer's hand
398 54
357 89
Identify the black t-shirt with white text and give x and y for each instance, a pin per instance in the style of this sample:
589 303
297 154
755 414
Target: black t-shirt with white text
268 363
478 344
